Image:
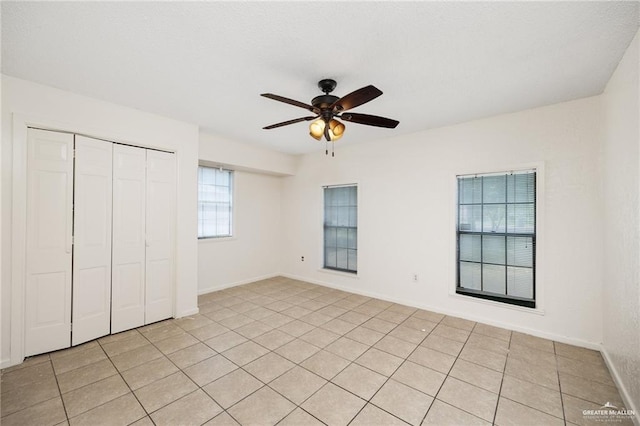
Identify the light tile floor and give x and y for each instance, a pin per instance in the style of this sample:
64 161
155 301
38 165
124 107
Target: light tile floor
285 352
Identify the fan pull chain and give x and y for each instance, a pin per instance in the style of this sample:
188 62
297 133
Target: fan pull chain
333 154
326 148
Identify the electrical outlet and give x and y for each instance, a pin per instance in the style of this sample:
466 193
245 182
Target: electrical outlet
414 277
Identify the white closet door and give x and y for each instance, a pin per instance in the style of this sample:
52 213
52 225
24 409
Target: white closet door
128 273
161 187
92 240
49 244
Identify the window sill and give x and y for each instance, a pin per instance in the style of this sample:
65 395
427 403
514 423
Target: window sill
525 303
339 273
216 239
536 311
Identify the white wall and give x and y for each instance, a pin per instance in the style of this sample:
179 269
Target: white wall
621 297
253 252
25 102
407 188
242 156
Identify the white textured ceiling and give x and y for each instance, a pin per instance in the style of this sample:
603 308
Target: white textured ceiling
437 63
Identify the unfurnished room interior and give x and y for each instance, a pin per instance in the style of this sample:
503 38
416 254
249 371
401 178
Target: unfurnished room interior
320 213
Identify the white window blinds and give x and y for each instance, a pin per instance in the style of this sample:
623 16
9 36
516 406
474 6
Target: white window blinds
341 228
215 202
496 236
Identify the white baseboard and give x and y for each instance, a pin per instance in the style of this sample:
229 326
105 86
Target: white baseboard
188 312
464 315
5 363
235 284
629 403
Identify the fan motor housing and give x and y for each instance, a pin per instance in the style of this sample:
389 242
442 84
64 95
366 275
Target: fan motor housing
324 101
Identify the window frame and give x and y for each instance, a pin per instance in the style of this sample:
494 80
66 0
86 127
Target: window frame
232 205
529 305
324 267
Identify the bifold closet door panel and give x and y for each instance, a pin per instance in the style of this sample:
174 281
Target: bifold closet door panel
49 241
128 260
160 222
92 240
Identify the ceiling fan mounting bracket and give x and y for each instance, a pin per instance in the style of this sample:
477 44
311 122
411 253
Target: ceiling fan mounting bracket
327 85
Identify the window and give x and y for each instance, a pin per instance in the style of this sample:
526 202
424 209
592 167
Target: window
496 236
341 228
215 202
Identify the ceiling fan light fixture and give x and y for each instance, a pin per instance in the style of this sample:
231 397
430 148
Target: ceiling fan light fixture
336 129
316 129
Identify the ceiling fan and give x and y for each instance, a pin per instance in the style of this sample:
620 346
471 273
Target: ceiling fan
327 108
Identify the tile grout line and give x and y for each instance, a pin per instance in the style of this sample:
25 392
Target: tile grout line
148 414
448 375
288 370
125 381
198 387
555 354
88 384
64 406
397 368
367 401
504 370
263 384
536 384
299 363
371 346
59 395
83 386
294 364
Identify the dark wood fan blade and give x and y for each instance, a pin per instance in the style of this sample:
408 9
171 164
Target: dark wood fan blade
290 102
357 98
370 120
286 123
